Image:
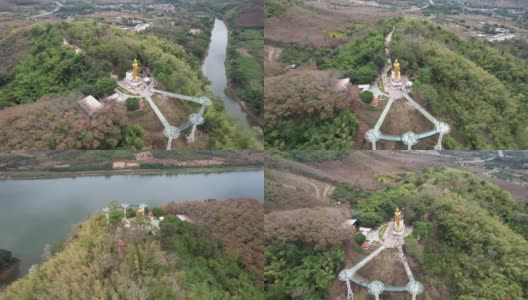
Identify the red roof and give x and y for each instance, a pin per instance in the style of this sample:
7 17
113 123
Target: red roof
141 105
365 245
375 102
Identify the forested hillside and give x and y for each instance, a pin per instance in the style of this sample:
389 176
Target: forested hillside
479 88
361 60
237 223
53 68
470 237
101 261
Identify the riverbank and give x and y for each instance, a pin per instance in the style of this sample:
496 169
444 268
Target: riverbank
229 90
214 69
253 118
9 271
14 175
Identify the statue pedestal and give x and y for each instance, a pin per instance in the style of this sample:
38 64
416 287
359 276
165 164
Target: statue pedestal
131 82
395 82
401 229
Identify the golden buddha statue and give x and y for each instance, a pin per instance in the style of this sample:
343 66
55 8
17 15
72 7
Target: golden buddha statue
396 70
140 212
135 70
397 219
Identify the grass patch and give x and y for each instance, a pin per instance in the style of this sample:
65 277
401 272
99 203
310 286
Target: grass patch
381 86
381 231
335 34
252 70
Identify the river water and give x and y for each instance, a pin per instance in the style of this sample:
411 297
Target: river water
36 212
214 68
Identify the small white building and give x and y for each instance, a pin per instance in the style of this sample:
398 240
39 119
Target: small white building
90 105
364 87
117 97
367 232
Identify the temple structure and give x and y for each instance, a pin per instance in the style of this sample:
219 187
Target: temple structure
396 76
134 86
399 227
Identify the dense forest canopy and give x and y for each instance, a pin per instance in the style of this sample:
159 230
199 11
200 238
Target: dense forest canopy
303 112
303 253
238 223
481 89
361 60
50 68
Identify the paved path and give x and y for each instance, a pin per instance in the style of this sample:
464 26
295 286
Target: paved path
405 264
384 114
477 161
348 274
156 110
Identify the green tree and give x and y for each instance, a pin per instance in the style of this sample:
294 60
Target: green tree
6 258
367 97
422 230
104 86
131 138
359 238
132 104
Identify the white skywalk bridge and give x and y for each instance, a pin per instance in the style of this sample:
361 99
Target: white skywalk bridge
170 131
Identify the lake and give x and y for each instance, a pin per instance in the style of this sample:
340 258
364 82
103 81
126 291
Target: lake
214 68
36 212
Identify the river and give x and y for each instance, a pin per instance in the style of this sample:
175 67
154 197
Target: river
37 212
214 68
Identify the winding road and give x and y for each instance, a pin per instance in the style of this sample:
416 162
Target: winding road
59 5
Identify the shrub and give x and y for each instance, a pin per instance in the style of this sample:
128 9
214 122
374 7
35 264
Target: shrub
115 216
6 258
359 238
367 97
132 104
157 212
